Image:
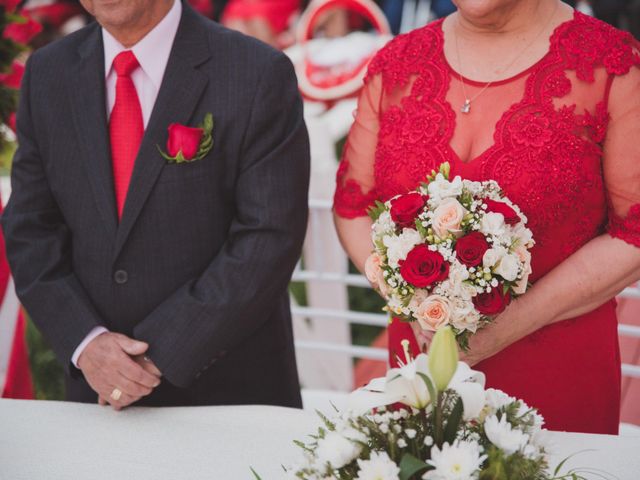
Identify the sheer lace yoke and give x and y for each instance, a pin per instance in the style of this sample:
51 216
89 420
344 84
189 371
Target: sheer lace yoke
555 136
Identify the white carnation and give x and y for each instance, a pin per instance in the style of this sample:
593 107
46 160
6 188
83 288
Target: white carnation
475 188
504 436
465 316
337 450
442 188
454 285
497 399
508 267
378 467
493 224
399 246
460 461
522 235
493 256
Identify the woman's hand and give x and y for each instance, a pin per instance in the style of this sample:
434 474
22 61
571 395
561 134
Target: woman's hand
484 344
423 337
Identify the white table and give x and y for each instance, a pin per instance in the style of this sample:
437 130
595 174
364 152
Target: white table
66 441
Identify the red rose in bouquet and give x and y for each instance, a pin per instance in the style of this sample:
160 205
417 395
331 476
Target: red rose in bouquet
184 139
423 267
492 303
405 209
511 217
471 248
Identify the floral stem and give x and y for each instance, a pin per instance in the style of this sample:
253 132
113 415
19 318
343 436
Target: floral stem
438 420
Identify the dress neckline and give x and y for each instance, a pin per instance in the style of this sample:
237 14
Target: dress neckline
552 39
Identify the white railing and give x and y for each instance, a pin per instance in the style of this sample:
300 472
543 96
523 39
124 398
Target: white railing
378 319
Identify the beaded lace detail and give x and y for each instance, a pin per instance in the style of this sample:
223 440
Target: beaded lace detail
547 146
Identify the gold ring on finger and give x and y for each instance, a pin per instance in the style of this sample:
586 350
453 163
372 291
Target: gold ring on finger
116 394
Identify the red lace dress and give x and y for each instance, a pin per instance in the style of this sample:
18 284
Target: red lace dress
547 137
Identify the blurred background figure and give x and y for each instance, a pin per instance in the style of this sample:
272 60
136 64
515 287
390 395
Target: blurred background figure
623 14
266 20
406 15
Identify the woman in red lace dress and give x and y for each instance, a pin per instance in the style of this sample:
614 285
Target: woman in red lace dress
546 101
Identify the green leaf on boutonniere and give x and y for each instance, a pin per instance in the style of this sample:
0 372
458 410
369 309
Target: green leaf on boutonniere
204 146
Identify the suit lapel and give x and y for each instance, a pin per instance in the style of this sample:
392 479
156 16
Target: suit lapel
90 120
182 88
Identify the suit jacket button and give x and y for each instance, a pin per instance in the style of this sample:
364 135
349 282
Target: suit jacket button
121 277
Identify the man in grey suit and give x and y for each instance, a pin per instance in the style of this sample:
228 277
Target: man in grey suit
155 255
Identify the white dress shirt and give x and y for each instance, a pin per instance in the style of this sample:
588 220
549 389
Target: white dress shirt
152 53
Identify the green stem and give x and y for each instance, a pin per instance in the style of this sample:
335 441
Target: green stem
438 420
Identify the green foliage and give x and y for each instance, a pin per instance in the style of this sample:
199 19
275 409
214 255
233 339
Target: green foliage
376 210
47 373
410 466
256 476
444 169
299 292
512 467
6 157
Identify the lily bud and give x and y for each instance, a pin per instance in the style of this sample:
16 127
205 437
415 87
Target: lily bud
443 357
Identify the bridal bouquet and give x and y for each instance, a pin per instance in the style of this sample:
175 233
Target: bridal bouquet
441 425
454 252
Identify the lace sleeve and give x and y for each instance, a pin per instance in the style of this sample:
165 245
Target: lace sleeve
355 183
621 161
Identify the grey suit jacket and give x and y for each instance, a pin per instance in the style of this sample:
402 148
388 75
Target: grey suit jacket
200 262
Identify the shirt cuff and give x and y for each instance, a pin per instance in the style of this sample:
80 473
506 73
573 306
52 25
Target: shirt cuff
92 334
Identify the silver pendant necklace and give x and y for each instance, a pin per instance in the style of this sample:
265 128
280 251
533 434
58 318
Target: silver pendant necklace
466 106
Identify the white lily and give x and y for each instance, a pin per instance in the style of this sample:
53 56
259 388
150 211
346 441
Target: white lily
405 385
469 385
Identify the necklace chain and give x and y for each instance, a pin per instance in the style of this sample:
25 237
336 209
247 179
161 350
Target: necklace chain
466 107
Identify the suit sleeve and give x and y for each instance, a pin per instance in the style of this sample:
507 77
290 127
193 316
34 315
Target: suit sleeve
38 244
235 295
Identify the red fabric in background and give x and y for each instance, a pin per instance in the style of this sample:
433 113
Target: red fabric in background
276 12
18 381
18 384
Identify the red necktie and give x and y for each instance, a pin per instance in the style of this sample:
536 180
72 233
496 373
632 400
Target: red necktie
126 126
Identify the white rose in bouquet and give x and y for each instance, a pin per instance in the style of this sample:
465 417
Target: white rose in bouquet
508 267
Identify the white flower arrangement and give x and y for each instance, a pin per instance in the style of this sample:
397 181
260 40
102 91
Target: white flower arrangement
430 419
454 252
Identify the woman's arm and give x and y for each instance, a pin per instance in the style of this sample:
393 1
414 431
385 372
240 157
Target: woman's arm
589 278
603 267
355 237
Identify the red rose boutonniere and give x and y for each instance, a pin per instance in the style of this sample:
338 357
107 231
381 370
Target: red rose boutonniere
188 144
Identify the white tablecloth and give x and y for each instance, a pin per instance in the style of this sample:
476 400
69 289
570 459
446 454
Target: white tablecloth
65 441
